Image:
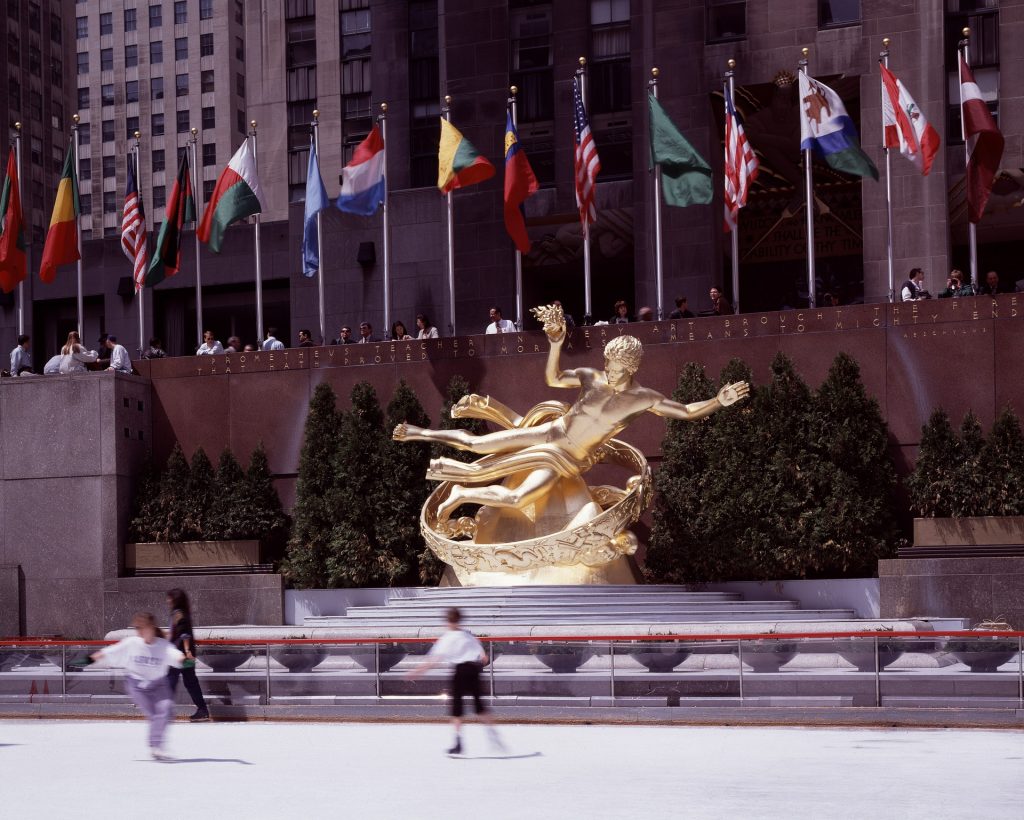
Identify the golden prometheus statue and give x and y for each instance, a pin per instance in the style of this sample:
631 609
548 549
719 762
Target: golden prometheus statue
540 523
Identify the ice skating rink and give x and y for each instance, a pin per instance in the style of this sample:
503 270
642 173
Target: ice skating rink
58 769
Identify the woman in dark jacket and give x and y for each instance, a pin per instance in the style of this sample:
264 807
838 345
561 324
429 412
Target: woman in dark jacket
181 636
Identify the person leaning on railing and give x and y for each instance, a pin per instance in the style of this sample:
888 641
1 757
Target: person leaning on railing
73 356
956 287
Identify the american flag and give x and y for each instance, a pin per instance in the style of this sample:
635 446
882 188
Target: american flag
133 228
588 164
740 165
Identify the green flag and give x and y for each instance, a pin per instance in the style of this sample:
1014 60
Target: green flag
180 208
685 176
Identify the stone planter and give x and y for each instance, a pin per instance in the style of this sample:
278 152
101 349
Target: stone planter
227 661
767 656
562 659
862 653
983 654
301 658
389 658
987 530
169 555
660 658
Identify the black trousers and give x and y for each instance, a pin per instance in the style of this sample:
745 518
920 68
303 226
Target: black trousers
191 685
466 681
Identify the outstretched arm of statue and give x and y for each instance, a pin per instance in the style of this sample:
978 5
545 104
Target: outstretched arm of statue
730 394
554 326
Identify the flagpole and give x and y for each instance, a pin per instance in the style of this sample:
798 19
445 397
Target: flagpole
972 229
319 237
658 270
192 147
581 74
382 118
884 57
28 264
730 89
513 108
138 288
78 232
446 112
812 296
259 261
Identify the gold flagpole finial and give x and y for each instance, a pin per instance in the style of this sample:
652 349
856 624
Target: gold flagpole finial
17 126
513 90
383 108
731 64
76 118
966 32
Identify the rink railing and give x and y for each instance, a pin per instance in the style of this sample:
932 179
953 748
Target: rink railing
619 669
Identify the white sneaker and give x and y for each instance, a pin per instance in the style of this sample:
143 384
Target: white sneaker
160 754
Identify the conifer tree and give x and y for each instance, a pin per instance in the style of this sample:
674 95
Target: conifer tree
145 525
222 520
935 480
971 496
259 512
1002 464
200 492
313 514
173 505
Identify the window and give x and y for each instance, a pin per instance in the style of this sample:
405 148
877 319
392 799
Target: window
982 16
608 88
239 12
838 13
726 20
35 105
424 93
14 11
205 9
240 121
300 46
208 186
180 48
131 56
240 85
13 49
297 162
180 12
106 59
83 98
158 158
209 153
131 91
106 23
156 52
56 29
109 201
108 166
181 85
156 88
85 205
302 83
159 196
14 92
156 125
355 75
130 19
81 27
84 135
156 17
35 60
34 17
84 168
107 131
299 8
182 121
531 70
205 45
36 151
107 94
83 62
209 118
206 81
56 72
240 49
131 126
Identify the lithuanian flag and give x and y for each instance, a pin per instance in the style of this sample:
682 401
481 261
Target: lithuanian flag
61 245
459 164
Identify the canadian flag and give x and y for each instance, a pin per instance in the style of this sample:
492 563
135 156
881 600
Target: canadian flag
905 125
984 143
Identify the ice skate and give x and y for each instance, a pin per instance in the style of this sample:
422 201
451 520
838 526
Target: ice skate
159 755
200 716
455 749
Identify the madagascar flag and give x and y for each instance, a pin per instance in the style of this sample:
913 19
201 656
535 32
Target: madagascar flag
458 162
62 239
520 184
12 233
179 210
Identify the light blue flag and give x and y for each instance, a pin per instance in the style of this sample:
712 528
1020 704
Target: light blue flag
316 201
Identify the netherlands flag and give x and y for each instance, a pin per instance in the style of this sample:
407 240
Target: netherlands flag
362 180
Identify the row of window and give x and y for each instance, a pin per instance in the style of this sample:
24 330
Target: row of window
109 163
183 125
156 89
131 18
35 19
156 53
112 202
35 60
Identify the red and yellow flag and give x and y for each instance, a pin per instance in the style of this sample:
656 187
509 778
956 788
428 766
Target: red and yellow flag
62 239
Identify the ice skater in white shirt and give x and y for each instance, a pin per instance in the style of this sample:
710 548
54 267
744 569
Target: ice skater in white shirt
146 657
460 648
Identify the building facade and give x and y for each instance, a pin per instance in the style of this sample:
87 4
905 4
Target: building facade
275 62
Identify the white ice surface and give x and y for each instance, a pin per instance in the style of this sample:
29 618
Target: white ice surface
52 769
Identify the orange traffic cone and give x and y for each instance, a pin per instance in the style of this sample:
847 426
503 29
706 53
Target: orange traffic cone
46 687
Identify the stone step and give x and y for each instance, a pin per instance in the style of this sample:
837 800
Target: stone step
555 607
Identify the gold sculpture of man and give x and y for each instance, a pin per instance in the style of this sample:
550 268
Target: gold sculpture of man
564 447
